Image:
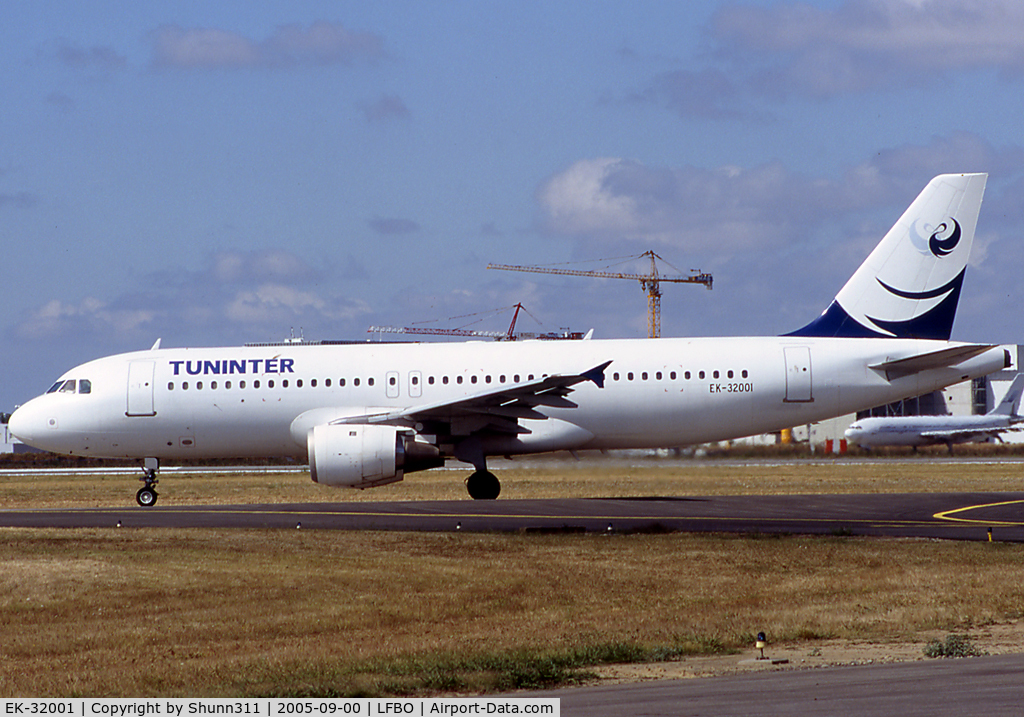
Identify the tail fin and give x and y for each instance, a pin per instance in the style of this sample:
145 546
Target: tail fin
909 286
1011 401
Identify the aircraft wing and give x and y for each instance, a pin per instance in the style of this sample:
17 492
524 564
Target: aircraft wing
898 368
965 435
498 409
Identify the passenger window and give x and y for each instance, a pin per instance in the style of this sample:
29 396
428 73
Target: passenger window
415 380
284 384
227 384
444 380
327 382
686 375
270 384
515 378
487 379
458 379
392 381
355 382
658 376
700 374
298 383
472 379
341 382
672 375
430 380
241 384
369 382
744 373
184 385
629 376
643 376
729 375
715 374
256 384
615 376
312 383
170 386
199 385
213 384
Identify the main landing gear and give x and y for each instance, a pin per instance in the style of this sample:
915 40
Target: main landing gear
483 485
147 494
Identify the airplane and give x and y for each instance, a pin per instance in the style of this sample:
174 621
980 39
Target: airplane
928 430
366 415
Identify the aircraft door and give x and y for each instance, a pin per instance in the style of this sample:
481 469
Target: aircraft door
140 388
798 374
391 384
415 384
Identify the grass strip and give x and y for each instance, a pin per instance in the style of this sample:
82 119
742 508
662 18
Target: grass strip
420 674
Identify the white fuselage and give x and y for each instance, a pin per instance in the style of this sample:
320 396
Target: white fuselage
261 401
926 430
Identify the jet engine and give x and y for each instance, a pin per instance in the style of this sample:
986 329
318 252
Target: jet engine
363 456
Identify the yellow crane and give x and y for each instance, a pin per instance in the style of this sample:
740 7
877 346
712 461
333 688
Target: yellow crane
649 282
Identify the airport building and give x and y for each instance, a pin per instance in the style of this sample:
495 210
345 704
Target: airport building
8 443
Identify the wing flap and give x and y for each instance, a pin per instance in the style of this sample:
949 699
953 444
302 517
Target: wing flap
498 409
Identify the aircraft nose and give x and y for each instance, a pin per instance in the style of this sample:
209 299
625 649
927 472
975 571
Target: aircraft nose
28 424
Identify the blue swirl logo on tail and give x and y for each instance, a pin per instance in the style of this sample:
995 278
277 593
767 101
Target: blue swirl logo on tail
944 246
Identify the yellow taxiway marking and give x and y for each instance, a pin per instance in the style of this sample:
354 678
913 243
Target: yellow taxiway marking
208 510
950 515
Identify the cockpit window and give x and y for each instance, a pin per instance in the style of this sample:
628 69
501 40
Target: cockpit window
69 386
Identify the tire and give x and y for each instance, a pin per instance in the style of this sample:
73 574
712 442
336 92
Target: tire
146 497
483 485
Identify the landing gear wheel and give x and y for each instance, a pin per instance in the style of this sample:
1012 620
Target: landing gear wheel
146 496
483 485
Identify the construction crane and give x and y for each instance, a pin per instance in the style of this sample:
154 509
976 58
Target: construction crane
651 283
510 335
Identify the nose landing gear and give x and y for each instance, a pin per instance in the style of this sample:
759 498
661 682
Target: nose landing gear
147 494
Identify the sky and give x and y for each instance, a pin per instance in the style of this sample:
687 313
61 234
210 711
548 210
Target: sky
221 173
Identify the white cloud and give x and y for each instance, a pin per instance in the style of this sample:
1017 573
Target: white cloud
867 44
719 212
251 295
385 108
322 43
90 315
271 304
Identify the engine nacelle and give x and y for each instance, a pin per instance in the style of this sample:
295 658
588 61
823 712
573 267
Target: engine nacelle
363 456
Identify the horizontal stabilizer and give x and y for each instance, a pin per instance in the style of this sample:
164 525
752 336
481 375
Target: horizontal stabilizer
897 368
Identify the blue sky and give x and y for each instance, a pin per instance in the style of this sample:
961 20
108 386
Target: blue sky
218 173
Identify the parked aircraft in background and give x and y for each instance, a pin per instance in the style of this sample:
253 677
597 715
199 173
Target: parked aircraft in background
365 415
930 430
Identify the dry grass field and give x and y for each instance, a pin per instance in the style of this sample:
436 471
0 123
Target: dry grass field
224 613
